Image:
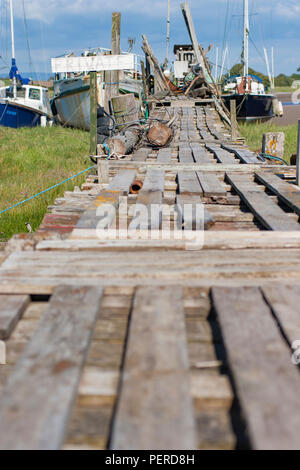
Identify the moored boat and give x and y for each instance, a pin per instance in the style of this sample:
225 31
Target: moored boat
71 100
252 100
22 104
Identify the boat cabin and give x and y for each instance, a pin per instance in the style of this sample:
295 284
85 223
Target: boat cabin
240 85
35 97
185 59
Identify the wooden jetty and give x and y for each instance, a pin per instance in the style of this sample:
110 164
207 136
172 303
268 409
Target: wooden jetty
177 342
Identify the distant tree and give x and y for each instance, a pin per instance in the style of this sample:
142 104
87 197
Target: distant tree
282 80
237 69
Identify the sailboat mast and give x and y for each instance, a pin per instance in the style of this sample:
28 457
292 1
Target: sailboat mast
246 38
13 52
168 33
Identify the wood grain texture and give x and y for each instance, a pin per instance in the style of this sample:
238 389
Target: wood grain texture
286 192
269 214
266 381
37 400
189 183
122 181
192 214
223 156
12 308
155 408
284 300
211 185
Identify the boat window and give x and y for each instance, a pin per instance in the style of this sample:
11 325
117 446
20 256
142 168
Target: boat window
34 94
21 92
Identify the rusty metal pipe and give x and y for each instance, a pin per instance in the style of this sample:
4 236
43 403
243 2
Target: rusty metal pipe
136 186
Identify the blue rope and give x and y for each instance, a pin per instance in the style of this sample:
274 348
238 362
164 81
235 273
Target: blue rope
107 149
46 190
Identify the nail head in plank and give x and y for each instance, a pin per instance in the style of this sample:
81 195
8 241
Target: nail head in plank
12 308
36 402
155 409
266 381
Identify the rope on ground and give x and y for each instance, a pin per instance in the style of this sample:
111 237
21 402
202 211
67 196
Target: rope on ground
46 190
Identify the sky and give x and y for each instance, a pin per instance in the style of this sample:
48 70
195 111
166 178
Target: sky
58 26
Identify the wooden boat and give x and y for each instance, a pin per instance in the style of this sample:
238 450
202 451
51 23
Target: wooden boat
252 101
71 101
22 104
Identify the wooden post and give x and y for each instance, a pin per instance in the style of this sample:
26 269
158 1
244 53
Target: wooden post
298 158
233 119
125 110
115 50
145 86
93 113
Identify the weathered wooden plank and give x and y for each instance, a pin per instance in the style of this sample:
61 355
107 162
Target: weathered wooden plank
40 272
97 63
122 181
185 155
284 301
141 154
148 210
269 214
189 183
93 215
155 409
200 154
224 157
243 154
37 400
192 214
288 193
211 185
214 240
12 308
267 383
164 155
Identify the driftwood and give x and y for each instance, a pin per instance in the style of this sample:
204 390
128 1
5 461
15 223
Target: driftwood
124 143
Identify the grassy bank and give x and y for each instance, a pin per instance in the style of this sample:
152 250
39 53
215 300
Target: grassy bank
32 160
253 134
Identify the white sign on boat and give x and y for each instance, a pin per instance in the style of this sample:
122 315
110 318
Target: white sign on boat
94 63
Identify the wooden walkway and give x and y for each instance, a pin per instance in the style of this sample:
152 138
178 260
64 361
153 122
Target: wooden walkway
182 341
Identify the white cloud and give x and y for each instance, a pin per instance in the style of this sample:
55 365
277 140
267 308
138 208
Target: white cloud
49 10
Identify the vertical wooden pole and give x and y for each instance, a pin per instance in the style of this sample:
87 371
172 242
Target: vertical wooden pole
145 85
148 73
93 113
233 119
298 158
115 50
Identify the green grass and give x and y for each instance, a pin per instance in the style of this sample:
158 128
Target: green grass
284 89
32 160
253 134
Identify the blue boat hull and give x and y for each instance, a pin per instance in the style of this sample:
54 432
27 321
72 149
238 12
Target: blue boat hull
18 116
252 107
